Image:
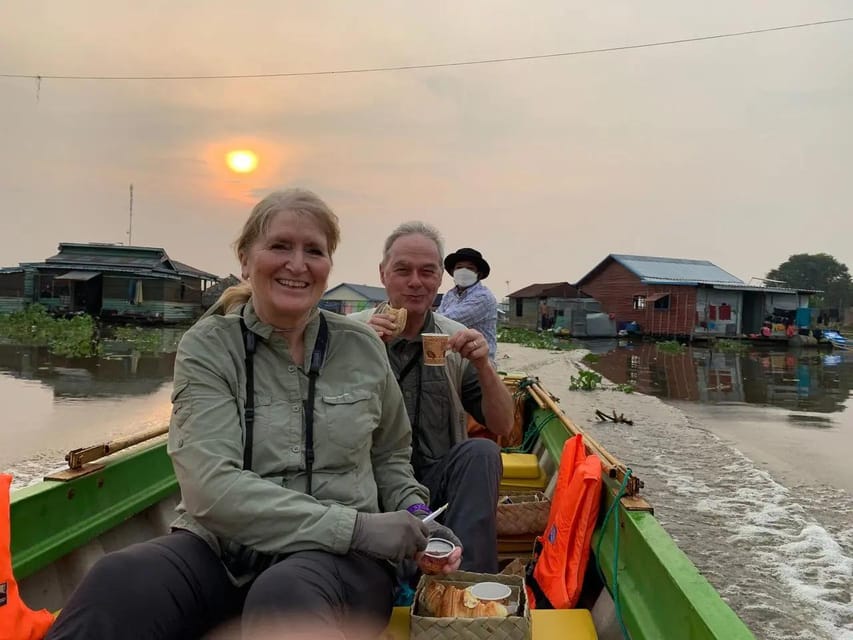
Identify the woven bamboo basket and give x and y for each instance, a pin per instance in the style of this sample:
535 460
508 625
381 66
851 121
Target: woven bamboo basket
517 567
513 627
527 513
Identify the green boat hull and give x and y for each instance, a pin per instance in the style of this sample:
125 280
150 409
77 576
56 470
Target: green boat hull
661 593
60 528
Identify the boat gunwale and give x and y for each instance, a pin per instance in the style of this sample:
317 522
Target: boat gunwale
652 547
123 488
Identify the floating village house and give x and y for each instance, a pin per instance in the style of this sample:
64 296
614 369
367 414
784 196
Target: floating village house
572 312
349 298
524 304
692 298
108 281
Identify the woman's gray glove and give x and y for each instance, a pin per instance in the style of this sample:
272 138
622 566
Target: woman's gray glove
437 530
389 536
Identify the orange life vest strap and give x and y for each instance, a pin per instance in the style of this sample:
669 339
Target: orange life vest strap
17 621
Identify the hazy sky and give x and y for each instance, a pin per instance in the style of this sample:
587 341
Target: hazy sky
736 150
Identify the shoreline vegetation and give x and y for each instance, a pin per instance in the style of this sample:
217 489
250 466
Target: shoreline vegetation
535 339
80 336
83 336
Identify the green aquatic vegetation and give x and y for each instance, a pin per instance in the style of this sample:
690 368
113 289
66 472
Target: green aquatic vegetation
142 339
74 338
80 336
534 339
671 346
584 381
591 358
731 346
33 326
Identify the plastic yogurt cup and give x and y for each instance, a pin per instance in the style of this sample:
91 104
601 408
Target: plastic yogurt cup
491 591
436 554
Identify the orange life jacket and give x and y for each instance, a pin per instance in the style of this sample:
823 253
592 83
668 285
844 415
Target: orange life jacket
17 621
556 573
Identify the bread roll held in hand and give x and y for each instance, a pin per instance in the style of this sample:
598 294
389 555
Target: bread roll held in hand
447 601
398 315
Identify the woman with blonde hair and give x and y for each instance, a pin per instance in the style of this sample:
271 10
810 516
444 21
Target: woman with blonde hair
297 493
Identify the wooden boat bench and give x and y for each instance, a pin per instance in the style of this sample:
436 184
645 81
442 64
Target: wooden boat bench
548 624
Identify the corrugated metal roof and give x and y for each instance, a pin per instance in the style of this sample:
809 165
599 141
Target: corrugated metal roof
548 290
369 293
129 260
374 294
752 287
113 257
123 270
186 270
656 270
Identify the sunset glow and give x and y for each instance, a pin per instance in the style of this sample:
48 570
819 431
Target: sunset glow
241 161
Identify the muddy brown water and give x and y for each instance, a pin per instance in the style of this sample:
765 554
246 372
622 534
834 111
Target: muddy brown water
770 436
756 483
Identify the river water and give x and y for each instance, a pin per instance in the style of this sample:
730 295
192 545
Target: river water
53 404
751 473
749 468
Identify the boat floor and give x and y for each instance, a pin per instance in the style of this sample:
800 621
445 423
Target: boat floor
547 624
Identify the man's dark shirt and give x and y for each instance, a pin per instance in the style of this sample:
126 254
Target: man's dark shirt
433 425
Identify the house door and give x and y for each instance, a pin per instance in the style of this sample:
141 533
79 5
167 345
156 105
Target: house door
87 295
753 312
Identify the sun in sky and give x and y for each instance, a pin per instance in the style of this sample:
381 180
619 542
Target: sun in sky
241 160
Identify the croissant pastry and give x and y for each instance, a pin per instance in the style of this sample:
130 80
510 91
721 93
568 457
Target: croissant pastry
447 601
399 315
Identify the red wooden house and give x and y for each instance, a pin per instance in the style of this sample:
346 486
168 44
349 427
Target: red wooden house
688 298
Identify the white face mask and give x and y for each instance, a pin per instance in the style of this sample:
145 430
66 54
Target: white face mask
464 277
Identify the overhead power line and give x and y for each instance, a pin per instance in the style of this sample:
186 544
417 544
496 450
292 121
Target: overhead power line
437 65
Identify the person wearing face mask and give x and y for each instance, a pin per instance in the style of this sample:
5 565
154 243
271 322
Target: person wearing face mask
470 302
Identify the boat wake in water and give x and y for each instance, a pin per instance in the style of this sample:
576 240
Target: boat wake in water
755 529
782 557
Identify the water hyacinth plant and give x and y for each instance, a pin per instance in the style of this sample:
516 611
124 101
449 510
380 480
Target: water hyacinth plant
534 339
671 346
731 346
73 337
585 381
81 336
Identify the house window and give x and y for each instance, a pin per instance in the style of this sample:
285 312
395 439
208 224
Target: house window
662 303
519 307
639 302
45 286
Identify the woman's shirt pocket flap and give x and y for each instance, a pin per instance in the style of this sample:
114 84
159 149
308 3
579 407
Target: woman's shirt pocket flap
348 418
348 397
